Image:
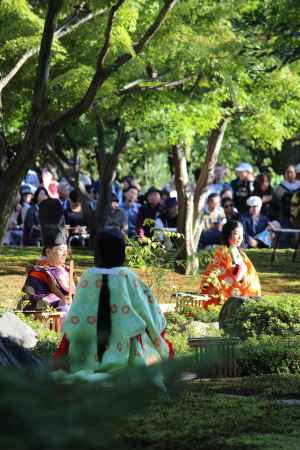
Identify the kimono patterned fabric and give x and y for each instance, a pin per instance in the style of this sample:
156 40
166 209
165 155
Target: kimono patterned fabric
137 324
39 286
219 281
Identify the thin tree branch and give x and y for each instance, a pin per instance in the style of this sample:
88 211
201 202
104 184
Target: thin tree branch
61 155
157 87
108 33
5 80
60 33
39 102
101 74
98 79
147 37
120 144
58 161
100 149
211 157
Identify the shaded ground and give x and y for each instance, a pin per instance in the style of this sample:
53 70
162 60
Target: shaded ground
197 418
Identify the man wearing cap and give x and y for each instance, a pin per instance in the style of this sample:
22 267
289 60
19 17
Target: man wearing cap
149 211
48 282
242 186
254 222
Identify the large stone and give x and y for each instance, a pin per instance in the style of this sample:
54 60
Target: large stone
14 355
228 313
12 327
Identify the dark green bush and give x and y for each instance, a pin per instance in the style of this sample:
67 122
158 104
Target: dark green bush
269 355
211 314
47 340
178 332
278 316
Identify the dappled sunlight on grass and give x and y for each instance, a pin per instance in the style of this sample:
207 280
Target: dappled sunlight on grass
279 278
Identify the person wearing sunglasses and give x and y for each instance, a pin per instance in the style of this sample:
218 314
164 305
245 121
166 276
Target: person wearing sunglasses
229 209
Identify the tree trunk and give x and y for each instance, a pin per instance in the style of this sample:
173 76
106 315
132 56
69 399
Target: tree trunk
191 205
108 166
38 133
186 261
27 151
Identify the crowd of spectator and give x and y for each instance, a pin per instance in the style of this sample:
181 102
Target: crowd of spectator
261 207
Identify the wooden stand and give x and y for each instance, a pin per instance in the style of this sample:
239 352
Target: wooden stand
215 356
290 231
51 320
187 299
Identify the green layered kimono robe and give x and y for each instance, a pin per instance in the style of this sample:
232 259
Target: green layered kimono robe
138 324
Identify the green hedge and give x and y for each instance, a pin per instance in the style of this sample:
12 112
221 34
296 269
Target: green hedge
278 316
269 355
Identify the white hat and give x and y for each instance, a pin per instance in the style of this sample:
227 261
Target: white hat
244 167
297 168
254 201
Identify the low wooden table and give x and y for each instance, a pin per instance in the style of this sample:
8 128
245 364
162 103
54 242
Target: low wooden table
216 356
51 320
278 233
189 299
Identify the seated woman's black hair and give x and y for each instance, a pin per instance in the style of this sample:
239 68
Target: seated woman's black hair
109 248
228 228
109 252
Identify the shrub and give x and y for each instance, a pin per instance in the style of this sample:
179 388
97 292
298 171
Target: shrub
269 355
178 332
211 314
47 340
278 316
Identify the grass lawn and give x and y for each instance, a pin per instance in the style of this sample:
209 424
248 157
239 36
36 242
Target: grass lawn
208 415
280 278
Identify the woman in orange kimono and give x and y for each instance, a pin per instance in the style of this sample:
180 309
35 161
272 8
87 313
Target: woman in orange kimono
231 273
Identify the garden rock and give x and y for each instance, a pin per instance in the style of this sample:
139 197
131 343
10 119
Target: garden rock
290 402
12 327
228 312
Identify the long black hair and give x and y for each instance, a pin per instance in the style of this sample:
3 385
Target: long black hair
228 228
109 252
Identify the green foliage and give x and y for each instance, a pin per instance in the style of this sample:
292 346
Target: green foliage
211 314
220 51
39 412
270 354
149 252
178 332
47 340
271 316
